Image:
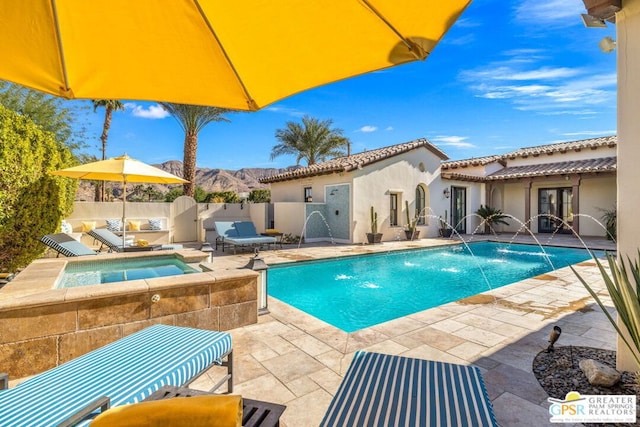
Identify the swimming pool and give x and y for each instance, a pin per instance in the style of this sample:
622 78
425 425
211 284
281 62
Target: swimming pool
353 293
108 271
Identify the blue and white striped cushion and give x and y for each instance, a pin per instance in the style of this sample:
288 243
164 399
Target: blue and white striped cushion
127 371
385 390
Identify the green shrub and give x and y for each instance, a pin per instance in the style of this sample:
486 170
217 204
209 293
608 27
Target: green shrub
260 195
32 202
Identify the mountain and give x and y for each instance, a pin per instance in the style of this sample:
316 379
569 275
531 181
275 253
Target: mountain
239 181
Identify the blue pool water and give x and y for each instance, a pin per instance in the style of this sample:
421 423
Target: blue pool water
353 293
108 271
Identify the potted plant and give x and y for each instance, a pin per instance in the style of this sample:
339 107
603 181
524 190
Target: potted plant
445 230
410 230
610 218
491 216
374 236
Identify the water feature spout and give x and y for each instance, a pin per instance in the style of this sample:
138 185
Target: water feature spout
306 221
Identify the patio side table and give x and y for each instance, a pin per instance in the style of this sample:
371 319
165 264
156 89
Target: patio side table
142 248
278 237
254 412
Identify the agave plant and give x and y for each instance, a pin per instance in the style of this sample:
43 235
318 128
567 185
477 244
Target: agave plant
491 216
622 285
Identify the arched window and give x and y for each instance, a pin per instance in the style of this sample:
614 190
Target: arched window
420 205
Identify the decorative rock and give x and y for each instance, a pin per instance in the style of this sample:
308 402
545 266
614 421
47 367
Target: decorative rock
598 373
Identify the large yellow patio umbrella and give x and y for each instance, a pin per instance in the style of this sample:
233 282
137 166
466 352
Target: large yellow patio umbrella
121 169
240 54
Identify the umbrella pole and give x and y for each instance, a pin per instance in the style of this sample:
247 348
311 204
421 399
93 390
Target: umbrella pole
124 212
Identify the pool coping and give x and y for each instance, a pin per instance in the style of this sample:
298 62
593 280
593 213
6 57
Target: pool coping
35 285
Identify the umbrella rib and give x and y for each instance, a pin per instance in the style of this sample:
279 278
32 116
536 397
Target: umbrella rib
415 50
66 89
250 101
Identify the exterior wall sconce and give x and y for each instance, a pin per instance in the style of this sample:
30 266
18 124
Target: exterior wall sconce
258 265
446 193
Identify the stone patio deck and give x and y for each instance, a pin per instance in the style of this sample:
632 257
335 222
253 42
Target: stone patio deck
294 359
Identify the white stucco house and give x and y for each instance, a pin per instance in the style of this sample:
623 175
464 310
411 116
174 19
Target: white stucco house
572 181
551 188
337 195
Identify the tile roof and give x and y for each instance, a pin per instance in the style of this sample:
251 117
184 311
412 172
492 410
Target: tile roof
561 147
354 161
474 161
604 164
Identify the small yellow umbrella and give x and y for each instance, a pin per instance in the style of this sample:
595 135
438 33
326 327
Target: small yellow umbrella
121 169
240 54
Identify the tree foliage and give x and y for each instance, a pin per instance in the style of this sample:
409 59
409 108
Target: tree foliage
192 119
222 197
312 140
52 114
173 194
110 105
32 202
260 195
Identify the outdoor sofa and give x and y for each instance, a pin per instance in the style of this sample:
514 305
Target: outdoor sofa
387 390
240 233
123 372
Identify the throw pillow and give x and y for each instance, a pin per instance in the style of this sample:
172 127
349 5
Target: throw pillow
114 225
88 226
196 411
155 224
65 227
134 225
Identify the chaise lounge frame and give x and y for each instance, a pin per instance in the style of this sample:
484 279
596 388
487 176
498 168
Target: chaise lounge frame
240 233
66 245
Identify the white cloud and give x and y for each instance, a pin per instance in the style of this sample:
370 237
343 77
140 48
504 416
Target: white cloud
286 110
368 129
546 90
153 112
549 11
453 141
467 23
389 128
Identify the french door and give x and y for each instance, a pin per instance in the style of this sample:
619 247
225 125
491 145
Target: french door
556 208
459 209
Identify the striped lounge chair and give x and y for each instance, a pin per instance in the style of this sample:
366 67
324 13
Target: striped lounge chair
107 238
385 390
66 245
125 371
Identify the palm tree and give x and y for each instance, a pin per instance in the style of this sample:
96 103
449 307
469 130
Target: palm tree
193 118
110 105
313 140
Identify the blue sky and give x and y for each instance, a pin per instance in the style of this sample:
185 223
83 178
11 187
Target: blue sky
506 75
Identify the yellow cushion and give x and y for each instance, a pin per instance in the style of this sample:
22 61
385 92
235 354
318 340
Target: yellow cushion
88 226
134 225
210 411
142 243
272 231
